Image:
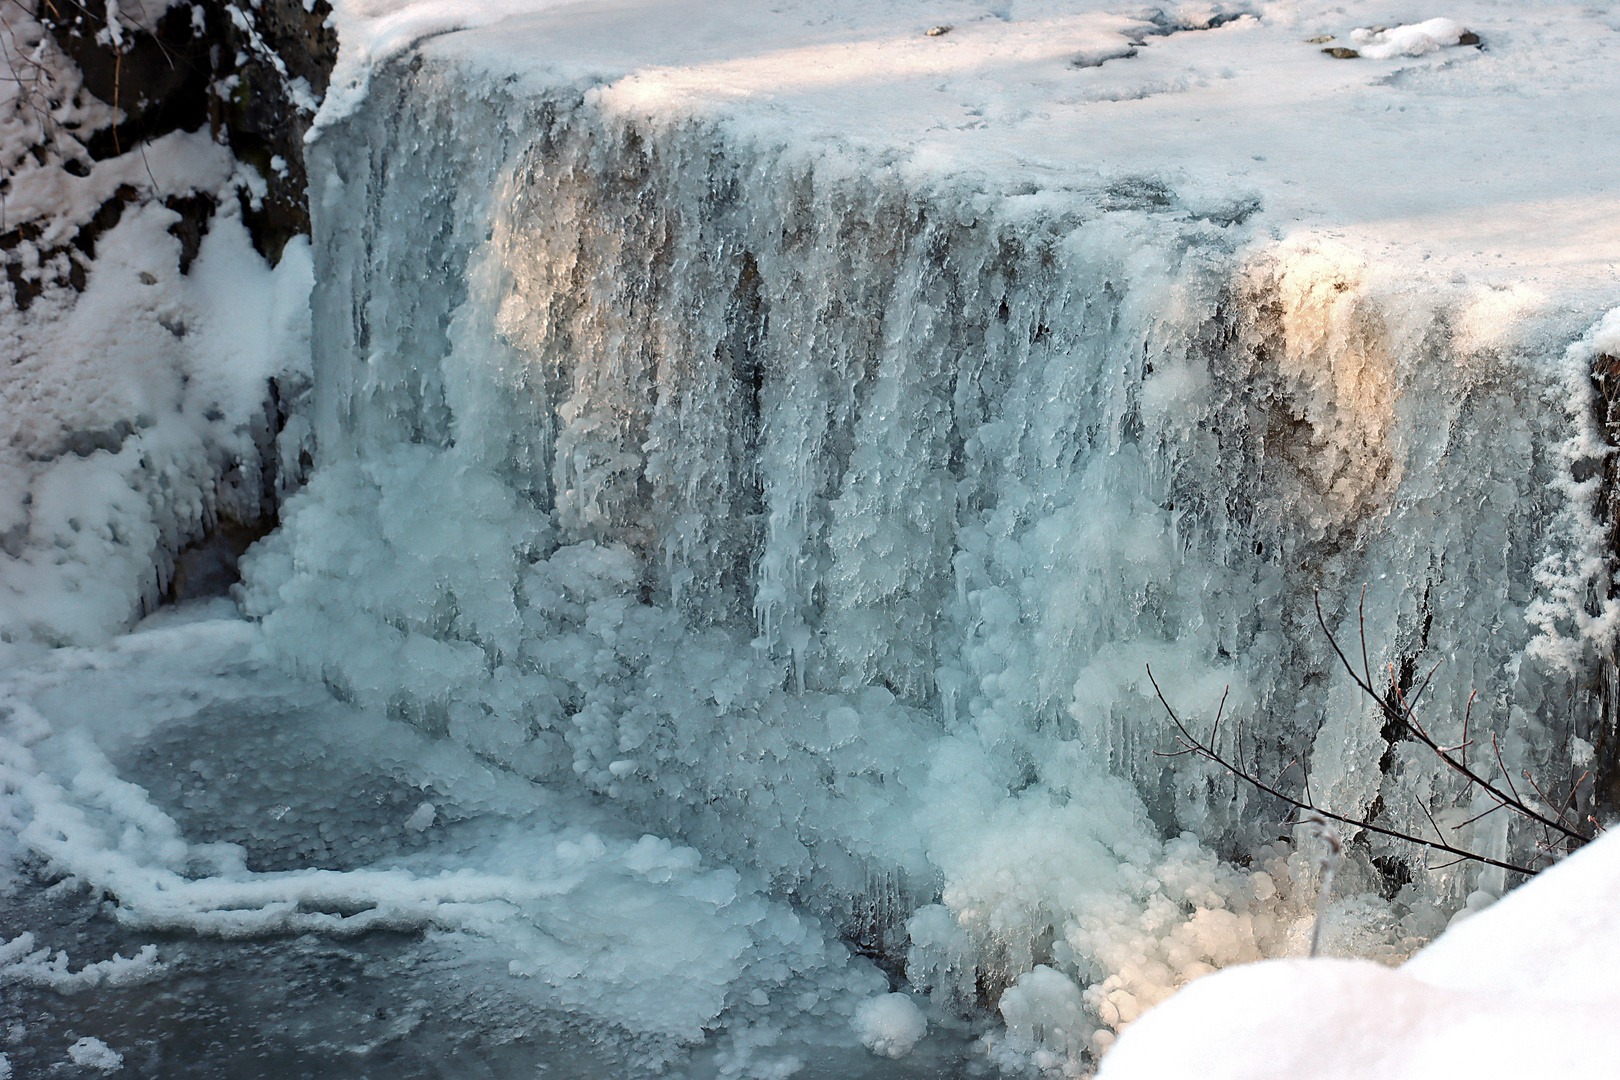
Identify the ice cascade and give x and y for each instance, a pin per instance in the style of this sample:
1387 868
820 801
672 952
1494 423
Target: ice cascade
824 514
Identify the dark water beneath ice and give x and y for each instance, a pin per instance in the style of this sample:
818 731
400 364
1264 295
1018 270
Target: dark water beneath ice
380 1007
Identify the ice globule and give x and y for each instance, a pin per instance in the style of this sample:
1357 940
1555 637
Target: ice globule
828 517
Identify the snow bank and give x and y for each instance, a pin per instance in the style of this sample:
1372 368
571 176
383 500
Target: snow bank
372 32
138 397
1235 101
1540 960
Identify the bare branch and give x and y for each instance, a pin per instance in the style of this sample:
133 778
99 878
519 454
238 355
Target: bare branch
1443 865
1479 815
1204 750
1461 767
1497 746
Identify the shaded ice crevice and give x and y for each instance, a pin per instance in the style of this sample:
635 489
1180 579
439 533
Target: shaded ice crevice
826 515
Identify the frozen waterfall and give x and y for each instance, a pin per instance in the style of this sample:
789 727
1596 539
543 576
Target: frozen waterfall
714 632
829 520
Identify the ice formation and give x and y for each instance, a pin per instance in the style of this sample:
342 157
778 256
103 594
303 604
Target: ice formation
890 1024
831 514
736 543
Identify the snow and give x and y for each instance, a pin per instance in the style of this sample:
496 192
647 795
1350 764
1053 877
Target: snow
372 32
1542 959
91 1053
21 962
1417 39
137 409
1506 139
131 404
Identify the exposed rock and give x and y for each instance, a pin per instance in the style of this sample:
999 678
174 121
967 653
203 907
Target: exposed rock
251 74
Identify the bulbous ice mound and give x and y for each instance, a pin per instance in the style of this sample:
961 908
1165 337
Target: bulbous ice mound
890 1024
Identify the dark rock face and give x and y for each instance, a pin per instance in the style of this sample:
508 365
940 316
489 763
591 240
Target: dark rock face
261 117
240 70
160 80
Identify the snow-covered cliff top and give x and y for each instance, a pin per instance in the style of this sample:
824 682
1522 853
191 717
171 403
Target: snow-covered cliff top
1486 160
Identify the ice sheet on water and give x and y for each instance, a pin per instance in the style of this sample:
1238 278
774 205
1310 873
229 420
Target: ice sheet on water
202 793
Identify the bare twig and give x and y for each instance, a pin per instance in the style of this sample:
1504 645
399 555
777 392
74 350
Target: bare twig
1405 716
1209 753
1443 865
1479 815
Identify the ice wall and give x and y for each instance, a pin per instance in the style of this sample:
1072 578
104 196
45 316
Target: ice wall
825 511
